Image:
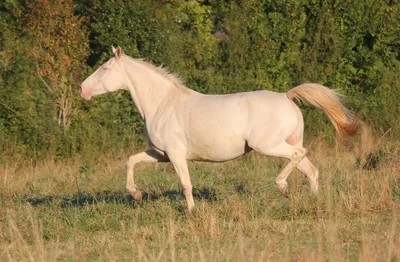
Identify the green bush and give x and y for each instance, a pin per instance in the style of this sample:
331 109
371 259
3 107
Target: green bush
266 44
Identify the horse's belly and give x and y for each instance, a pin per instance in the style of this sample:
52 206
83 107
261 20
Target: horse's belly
218 150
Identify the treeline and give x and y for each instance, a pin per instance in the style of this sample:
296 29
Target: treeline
48 47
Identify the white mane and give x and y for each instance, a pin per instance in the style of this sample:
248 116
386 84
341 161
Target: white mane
174 78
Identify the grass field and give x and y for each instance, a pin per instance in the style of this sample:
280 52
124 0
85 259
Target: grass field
78 210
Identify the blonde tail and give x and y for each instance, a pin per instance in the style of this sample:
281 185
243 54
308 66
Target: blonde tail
344 121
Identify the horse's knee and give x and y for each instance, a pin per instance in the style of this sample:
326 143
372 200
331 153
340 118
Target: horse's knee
187 189
298 155
301 152
130 163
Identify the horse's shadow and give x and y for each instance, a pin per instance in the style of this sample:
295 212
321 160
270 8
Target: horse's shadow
81 199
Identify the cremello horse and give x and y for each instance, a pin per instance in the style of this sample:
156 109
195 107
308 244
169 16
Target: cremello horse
182 124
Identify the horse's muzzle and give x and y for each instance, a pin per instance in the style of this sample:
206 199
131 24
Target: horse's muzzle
86 93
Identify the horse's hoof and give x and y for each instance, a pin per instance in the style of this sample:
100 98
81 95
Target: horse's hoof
138 196
284 190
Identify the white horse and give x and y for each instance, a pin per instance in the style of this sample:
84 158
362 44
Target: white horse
182 124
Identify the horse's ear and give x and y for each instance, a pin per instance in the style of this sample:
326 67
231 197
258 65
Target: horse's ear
117 52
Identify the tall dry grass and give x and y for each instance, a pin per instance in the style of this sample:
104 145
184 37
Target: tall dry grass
78 210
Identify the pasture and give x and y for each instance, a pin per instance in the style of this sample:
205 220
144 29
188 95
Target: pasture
63 180
79 210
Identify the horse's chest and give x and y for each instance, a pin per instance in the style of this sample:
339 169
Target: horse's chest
163 136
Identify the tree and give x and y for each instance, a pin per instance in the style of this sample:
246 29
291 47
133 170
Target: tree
59 49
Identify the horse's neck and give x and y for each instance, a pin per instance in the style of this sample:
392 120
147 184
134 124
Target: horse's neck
150 90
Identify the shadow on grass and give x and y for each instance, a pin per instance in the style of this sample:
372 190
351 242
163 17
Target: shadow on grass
114 197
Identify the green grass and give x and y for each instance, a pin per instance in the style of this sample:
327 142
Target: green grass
78 210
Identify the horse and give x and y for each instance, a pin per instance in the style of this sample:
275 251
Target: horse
182 124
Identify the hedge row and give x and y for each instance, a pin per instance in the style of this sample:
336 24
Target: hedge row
48 47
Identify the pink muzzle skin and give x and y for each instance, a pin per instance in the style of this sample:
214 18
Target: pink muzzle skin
86 93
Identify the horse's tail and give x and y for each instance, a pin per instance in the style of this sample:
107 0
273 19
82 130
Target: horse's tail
345 121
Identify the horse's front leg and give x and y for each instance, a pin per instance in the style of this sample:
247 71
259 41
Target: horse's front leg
148 156
181 168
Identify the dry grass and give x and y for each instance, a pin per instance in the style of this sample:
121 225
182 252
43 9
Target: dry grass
78 210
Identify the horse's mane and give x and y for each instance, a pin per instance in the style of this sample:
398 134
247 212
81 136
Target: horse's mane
174 78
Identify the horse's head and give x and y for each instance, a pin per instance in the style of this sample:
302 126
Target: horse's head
107 78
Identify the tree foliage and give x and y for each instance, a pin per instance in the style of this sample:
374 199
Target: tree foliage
48 47
58 47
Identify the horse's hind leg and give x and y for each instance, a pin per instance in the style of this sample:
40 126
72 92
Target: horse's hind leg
149 156
294 153
312 173
305 166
